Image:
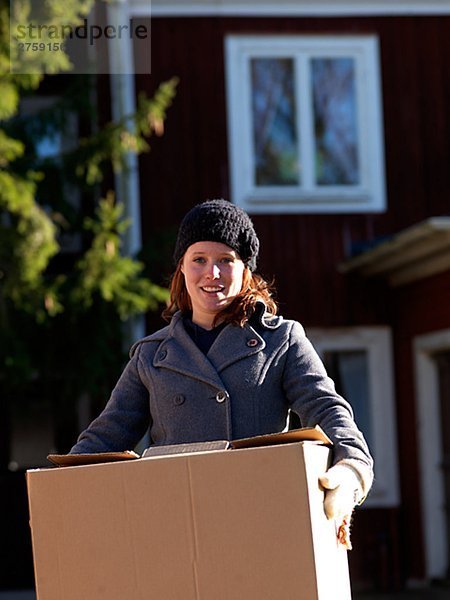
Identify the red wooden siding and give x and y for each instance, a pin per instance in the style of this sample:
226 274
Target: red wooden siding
190 164
417 309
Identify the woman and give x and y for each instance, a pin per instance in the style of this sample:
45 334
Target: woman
226 366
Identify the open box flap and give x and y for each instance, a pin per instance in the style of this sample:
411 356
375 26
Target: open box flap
305 434
72 460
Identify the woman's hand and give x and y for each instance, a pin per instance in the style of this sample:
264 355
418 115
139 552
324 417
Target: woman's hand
342 491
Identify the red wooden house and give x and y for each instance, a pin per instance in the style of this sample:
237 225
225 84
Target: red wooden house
329 123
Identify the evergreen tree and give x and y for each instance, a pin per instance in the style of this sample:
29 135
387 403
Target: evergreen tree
61 314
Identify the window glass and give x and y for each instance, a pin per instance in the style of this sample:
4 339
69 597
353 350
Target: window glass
335 121
350 372
61 197
49 146
31 432
274 122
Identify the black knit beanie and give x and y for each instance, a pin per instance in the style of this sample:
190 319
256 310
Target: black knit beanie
219 221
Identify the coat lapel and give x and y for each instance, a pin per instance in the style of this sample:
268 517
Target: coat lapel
233 344
179 353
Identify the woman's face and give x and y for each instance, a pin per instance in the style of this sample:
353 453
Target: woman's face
213 276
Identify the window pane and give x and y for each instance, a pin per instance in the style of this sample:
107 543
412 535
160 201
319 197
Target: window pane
49 146
334 105
350 372
274 122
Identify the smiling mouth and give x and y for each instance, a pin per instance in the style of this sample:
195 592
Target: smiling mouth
212 289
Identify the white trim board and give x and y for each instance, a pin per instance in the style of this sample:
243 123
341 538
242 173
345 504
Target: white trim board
269 8
430 451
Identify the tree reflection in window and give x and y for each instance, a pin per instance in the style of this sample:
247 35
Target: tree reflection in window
335 126
274 122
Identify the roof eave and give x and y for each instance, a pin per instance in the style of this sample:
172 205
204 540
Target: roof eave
412 254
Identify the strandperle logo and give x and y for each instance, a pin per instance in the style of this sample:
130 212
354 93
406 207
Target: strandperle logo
36 32
108 39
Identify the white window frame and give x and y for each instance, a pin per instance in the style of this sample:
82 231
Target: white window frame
376 341
369 195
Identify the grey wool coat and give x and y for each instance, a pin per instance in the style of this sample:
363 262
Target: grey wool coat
244 386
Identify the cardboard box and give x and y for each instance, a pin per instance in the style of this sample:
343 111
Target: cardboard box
220 525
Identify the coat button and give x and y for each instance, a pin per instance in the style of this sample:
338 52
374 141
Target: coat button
221 396
252 343
179 399
162 354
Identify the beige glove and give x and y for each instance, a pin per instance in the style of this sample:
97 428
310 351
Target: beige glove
342 492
